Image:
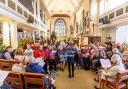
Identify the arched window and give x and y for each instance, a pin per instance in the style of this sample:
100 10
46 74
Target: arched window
60 27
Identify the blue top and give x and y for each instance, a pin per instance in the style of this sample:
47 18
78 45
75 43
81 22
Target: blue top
62 54
35 68
70 51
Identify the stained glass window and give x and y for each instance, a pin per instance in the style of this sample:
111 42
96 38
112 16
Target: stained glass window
60 27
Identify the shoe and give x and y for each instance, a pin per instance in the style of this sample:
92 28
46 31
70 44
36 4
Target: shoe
72 75
96 80
97 87
69 76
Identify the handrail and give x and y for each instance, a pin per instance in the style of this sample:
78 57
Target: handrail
17 3
116 8
23 7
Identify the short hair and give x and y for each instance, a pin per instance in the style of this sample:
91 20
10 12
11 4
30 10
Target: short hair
19 51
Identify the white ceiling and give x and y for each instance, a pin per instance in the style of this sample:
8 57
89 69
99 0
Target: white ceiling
61 6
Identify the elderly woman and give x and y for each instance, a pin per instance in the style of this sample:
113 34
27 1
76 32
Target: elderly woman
19 55
34 67
117 67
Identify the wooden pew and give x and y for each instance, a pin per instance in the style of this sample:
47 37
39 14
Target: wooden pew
15 80
12 62
36 79
5 65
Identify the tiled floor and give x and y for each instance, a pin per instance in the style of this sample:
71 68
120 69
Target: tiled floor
83 80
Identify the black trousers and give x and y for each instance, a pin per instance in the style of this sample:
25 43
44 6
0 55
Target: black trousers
46 65
52 65
71 69
87 63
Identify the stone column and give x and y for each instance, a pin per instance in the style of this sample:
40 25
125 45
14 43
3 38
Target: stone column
34 6
14 36
10 37
6 35
33 34
38 9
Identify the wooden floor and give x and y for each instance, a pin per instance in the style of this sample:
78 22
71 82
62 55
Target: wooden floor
83 80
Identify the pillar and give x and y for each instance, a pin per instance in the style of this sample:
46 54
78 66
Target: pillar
6 38
39 33
10 37
14 36
34 7
38 9
33 34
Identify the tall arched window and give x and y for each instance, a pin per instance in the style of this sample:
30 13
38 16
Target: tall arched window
60 27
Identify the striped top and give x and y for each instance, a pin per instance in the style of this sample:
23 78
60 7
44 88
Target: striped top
70 51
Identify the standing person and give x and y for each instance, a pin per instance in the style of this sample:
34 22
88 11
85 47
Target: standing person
62 58
86 57
45 56
50 56
78 59
37 53
28 51
70 52
54 57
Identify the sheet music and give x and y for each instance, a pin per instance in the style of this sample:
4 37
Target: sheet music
105 63
3 75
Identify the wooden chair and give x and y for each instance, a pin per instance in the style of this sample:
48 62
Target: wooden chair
15 80
121 81
34 80
5 65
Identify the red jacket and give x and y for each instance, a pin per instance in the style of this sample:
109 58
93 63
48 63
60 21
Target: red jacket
37 54
44 54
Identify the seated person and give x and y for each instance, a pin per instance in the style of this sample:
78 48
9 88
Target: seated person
34 67
18 67
19 55
40 62
117 67
7 53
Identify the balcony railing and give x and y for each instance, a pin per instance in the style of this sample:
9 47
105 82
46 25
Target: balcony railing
22 10
117 12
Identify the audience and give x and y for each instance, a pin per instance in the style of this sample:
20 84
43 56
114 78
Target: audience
37 58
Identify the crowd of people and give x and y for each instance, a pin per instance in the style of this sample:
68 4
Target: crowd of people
42 58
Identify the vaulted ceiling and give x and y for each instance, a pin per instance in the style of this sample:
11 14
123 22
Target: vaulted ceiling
62 6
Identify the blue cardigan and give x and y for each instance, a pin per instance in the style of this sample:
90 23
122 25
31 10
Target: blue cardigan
35 68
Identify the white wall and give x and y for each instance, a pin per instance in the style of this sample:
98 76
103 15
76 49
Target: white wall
122 34
108 32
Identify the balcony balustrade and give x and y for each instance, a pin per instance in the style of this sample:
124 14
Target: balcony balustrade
23 11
